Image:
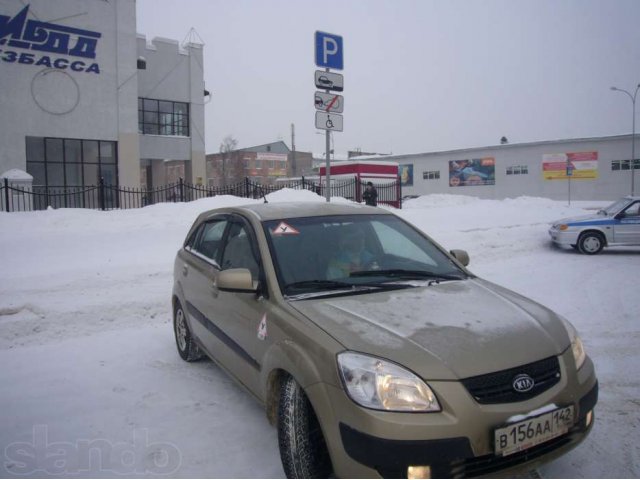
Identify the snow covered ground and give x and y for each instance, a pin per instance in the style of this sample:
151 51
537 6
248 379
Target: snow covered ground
92 385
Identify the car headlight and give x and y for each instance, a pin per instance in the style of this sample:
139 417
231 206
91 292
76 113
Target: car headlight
383 385
577 348
579 354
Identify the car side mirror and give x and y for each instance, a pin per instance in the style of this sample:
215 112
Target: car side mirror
236 280
461 255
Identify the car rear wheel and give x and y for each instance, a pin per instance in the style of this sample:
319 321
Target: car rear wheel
303 450
187 348
591 243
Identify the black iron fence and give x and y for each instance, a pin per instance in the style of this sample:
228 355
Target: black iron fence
15 198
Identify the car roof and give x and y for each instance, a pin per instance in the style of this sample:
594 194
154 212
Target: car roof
276 211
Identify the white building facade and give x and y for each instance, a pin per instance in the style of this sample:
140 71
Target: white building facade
84 98
584 169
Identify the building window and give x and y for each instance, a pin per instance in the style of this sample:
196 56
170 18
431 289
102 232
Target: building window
162 117
67 162
435 175
624 164
518 170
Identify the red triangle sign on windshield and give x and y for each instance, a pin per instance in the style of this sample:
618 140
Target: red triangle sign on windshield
284 229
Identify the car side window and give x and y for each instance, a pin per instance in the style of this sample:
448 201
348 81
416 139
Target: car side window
209 239
633 210
238 250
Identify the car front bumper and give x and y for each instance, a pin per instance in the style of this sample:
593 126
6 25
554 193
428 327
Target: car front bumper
563 237
457 442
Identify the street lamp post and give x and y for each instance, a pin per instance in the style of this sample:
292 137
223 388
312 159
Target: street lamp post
633 134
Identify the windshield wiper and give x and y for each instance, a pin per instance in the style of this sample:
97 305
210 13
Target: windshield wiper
319 285
407 274
322 285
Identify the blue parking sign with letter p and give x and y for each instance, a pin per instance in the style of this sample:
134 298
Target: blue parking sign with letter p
329 51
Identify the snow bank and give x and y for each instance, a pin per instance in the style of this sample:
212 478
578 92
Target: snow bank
87 348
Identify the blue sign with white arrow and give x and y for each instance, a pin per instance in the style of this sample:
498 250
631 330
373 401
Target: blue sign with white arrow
329 52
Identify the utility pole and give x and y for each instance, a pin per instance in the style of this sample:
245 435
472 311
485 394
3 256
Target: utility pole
293 152
632 163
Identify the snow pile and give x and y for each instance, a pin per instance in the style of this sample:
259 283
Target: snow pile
88 355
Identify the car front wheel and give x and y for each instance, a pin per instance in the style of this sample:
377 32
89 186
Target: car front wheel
187 348
303 450
591 243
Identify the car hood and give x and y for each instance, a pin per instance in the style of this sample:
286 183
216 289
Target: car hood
446 331
583 218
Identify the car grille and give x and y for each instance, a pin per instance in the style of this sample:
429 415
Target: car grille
498 387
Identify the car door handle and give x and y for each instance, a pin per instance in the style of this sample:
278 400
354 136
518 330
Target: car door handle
185 270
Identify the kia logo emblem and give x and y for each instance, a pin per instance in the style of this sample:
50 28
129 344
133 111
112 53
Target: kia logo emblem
523 383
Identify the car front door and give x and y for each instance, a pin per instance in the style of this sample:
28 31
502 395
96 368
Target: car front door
238 321
627 225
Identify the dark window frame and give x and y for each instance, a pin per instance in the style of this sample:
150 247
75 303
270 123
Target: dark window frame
431 175
154 117
101 164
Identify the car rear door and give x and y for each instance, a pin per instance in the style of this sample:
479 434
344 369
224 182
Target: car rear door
237 322
201 262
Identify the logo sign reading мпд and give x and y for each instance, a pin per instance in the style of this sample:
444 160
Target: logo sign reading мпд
49 44
329 53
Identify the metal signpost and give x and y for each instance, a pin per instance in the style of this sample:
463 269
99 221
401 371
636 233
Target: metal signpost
328 55
570 168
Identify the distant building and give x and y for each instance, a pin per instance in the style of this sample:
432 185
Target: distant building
263 164
360 153
586 168
84 98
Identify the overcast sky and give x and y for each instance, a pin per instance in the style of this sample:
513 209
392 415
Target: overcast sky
420 75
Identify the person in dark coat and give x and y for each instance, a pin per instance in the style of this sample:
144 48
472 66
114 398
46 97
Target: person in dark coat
370 195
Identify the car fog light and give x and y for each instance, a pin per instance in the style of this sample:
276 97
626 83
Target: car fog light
589 418
423 471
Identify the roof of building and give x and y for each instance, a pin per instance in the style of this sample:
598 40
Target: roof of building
499 146
273 147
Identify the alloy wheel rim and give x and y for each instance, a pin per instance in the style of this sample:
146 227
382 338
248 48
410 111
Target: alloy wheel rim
181 330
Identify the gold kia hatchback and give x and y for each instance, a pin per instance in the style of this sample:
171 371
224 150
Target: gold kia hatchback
374 350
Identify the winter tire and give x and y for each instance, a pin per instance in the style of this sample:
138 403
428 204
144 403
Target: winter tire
187 348
303 450
591 243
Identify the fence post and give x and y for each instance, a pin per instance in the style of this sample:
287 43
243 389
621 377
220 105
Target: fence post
399 192
101 194
358 190
181 182
246 187
6 194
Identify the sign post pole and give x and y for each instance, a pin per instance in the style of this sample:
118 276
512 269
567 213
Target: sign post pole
327 133
569 174
328 55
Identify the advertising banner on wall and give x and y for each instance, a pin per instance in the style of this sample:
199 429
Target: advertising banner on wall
474 172
579 166
406 175
275 163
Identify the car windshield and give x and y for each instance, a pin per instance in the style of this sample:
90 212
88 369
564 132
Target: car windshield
615 207
352 253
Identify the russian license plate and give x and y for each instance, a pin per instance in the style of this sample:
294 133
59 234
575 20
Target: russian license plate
533 431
